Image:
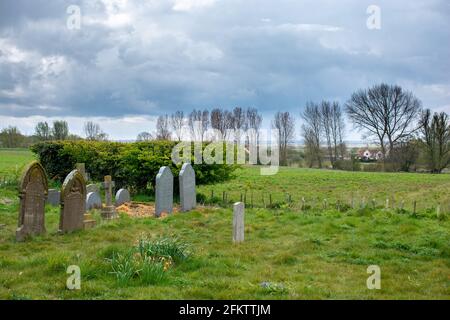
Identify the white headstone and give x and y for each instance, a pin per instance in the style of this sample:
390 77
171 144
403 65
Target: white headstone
93 201
188 195
164 191
122 196
238 222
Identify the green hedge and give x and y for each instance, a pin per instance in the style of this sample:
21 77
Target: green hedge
132 165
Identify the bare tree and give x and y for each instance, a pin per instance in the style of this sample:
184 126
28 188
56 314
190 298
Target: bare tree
327 124
177 122
311 131
93 131
238 122
284 124
253 126
220 121
333 129
162 128
60 130
42 131
435 131
198 124
386 112
254 120
144 136
205 123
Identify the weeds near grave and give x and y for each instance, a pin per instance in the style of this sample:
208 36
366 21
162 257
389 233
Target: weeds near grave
167 248
152 272
124 267
274 288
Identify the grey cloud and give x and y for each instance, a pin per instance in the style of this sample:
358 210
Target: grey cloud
265 54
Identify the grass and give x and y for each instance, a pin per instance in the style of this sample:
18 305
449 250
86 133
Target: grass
290 185
287 253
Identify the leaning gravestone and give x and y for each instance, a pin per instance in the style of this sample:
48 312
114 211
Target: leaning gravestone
53 197
33 191
73 205
122 196
187 188
164 191
238 222
93 201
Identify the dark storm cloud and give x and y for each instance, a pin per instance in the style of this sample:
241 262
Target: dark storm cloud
135 57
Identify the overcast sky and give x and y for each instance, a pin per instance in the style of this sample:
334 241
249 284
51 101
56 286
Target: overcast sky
133 60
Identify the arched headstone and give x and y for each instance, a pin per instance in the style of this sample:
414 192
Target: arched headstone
188 196
164 191
122 196
33 191
93 201
73 202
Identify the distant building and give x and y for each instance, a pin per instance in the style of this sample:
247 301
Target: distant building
367 154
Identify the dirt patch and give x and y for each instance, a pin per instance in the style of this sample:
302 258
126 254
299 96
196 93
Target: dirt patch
142 210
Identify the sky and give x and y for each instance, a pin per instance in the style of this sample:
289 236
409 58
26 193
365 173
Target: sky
130 61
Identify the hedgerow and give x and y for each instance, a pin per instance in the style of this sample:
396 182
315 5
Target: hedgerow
132 165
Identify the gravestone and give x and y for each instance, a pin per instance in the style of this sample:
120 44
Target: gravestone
82 168
53 197
92 188
188 195
33 191
238 222
108 211
93 201
164 191
73 202
122 196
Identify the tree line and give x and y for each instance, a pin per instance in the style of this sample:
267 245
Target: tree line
386 115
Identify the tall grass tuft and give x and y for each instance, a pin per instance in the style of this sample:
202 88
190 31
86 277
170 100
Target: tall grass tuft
167 248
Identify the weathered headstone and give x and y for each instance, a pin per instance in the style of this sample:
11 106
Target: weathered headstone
93 201
33 191
73 205
188 195
238 222
122 196
92 188
53 198
164 191
108 211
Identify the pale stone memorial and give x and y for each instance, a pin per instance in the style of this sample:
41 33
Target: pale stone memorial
122 196
93 201
188 195
238 222
164 191
33 191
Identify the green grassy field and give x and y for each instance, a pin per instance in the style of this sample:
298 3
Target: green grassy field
335 186
310 254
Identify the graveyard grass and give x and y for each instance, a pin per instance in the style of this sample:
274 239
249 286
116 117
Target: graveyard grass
312 254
